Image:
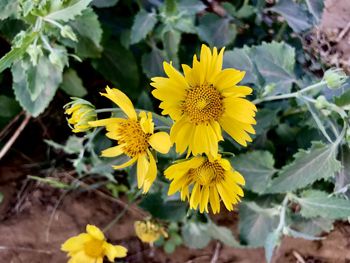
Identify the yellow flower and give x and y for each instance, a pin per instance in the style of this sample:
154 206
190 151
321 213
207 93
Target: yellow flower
135 138
202 101
91 247
81 112
149 231
211 180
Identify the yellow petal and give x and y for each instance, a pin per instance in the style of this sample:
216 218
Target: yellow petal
105 122
174 74
95 232
160 141
126 164
214 200
113 252
76 243
228 78
151 173
81 257
123 102
113 151
142 169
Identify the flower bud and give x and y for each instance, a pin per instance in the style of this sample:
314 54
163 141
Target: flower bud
81 112
67 32
335 78
149 231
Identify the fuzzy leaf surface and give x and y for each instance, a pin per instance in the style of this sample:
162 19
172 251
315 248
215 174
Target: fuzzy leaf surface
316 203
69 12
319 162
257 167
143 24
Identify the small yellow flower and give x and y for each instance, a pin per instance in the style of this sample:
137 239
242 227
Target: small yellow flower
211 180
204 100
135 138
91 247
149 231
81 112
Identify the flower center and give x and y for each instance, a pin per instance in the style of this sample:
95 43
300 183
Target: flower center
209 173
94 248
133 138
203 104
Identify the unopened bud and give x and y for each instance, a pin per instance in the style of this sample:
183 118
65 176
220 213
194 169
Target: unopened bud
335 78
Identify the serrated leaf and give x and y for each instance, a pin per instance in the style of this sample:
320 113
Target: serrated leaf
16 52
21 86
257 168
195 235
89 33
314 226
255 225
72 84
296 16
69 12
118 65
319 162
238 58
216 31
152 63
275 62
104 3
342 180
223 234
143 24
8 8
319 204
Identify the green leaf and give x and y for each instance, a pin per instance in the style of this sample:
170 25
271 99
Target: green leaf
191 6
104 3
275 62
171 41
297 234
8 8
255 223
69 12
343 100
223 234
216 31
89 33
118 65
166 210
22 82
143 24
152 63
239 58
315 8
319 204
195 235
8 107
314 226
319 162
73 145
296 16
272 240
36 76
169 247
1 197
257 167
72 84
16 52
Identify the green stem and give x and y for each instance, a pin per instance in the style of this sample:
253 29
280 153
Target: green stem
290 95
